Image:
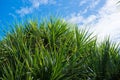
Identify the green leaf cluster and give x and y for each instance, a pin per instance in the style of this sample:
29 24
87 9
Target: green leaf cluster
56 50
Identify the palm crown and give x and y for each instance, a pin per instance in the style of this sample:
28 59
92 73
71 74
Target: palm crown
56 50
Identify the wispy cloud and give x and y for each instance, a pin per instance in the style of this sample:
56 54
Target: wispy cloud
34 4
79 19
94 3
12 15
109 21
105 23
24 10
75 18
82 2
89 5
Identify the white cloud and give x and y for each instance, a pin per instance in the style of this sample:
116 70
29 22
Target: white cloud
82 2
75 18
94 3
85 10
79 19
109 22
91 4
24 10
108 25
105 23
35 4
90 19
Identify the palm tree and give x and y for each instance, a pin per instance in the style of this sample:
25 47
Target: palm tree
56 50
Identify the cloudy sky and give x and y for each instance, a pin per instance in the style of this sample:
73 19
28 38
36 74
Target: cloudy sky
101 16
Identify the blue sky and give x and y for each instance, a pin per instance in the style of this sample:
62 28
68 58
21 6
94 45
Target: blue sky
97 14
11 9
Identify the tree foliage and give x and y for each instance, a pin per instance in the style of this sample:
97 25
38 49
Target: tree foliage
56 50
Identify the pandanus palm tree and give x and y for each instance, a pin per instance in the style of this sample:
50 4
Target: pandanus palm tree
56 50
